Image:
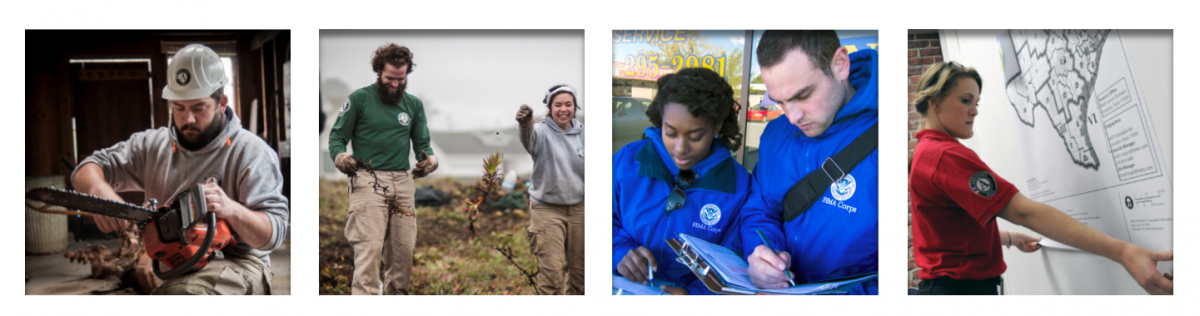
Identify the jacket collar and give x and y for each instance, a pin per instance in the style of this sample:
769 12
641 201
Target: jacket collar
864 65
933 134
716 172
576 126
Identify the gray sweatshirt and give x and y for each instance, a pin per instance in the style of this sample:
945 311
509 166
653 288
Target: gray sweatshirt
246 168
557 162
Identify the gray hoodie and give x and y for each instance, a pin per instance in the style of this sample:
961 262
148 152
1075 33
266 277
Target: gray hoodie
557 162
246 168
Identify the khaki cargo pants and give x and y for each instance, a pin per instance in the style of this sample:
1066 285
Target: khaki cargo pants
377 236
556 239
234 275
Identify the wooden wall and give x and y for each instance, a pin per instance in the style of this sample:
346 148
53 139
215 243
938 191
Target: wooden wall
111 110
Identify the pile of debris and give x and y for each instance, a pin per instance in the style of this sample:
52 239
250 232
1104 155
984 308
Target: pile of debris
128 264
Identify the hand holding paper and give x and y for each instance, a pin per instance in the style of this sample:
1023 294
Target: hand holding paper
1024 242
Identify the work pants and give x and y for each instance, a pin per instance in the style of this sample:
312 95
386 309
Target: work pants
948 286
556 240
378 236
233 275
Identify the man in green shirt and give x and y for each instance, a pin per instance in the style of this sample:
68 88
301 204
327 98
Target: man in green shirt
380 120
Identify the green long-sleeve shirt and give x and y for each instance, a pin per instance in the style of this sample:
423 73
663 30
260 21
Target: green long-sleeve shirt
380 132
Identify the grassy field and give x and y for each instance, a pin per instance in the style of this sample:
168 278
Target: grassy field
448 259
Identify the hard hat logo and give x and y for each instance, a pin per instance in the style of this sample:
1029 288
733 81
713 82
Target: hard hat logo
183 77
198 63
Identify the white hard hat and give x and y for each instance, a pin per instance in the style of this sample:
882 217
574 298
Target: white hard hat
195 73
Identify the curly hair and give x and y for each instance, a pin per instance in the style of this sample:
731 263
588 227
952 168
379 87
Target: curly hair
937 81
706 95
392 54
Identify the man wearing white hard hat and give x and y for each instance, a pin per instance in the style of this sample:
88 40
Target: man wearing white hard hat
204 140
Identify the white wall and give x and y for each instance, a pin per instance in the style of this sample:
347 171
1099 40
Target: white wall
1054 271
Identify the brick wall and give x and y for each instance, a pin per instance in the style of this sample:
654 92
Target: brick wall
923 50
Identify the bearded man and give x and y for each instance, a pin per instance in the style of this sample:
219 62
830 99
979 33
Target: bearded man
205 142
381 120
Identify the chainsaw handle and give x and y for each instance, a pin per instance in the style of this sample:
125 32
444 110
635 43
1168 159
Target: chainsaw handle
191 262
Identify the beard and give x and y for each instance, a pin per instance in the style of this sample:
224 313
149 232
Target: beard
389 97
214 129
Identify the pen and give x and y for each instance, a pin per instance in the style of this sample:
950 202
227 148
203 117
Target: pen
650 269
767 242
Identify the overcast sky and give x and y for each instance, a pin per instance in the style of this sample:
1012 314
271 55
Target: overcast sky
467 79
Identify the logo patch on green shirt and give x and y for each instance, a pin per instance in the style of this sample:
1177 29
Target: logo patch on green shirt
403 118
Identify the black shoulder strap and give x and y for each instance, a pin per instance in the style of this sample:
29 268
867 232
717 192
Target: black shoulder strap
804 193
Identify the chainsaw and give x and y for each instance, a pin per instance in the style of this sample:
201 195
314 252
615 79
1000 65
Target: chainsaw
183 235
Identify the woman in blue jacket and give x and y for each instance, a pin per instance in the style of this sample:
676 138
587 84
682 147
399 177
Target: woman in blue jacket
680 179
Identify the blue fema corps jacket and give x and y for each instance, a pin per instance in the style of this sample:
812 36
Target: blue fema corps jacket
643 176
838 236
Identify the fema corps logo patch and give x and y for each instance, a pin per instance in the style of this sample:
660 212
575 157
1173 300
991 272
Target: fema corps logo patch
710 214
183 77
579 152
403 118
843 189
983 183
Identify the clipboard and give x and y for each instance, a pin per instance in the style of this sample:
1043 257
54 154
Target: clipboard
701 268
688 256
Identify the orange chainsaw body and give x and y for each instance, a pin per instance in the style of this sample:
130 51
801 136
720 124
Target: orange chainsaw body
175 253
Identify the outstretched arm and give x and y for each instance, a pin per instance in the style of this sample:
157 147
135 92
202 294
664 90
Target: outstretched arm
525 120
1138 261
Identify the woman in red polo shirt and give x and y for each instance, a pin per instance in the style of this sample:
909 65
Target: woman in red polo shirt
955 199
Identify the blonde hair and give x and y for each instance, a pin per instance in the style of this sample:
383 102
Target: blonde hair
938 80
935 83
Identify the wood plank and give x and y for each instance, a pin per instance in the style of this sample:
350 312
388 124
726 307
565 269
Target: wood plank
159 108
43 128
269 93
65 108
111 74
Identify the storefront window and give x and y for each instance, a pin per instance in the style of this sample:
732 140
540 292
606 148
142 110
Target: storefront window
640 57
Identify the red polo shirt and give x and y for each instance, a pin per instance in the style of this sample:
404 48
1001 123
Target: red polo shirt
955 197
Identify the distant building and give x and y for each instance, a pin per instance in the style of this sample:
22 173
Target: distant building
460 154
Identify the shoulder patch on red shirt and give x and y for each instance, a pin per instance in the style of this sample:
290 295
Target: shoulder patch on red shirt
983 183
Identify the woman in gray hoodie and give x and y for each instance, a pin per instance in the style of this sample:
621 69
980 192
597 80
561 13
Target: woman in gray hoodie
556 197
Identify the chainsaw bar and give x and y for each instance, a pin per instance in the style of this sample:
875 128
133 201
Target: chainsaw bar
91 204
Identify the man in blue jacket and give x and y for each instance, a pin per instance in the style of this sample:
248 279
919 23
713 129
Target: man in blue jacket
829 97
